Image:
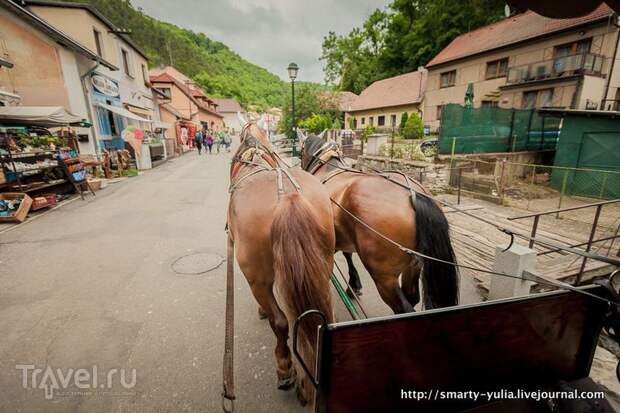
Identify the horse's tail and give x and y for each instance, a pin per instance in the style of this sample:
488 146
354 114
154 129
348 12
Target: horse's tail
303 260
440 281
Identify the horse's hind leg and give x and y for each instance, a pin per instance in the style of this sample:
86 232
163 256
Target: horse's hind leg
411 282
279 325
354 277
392 294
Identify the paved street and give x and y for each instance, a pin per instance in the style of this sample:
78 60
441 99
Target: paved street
93 284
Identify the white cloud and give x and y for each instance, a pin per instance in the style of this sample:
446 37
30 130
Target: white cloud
269 33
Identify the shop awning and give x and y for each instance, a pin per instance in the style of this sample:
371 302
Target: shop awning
123 112
138 110
45 116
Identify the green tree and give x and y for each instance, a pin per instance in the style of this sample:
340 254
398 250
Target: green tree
400 39
403 120
414 128
316 123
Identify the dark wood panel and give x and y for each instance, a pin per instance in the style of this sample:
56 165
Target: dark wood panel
509 344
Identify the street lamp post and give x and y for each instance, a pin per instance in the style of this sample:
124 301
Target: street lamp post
292 74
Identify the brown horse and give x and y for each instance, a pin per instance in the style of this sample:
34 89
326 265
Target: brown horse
387 207
282 225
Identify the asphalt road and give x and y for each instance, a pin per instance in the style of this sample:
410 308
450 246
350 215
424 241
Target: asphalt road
94 284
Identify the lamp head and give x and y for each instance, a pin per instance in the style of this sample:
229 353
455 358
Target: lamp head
292 71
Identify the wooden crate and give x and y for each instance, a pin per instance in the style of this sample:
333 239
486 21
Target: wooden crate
23 209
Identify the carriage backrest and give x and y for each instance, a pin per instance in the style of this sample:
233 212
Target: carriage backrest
518 343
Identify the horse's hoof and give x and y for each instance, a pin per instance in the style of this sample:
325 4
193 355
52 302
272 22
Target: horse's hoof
261 313
356 291
303 400
286 383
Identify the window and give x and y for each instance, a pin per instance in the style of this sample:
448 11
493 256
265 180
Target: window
489 103
439 112
354 124
381 120
497 68
145 75
371 121
448 79
537 98
97 35
125 54
393 120
363 121
580 47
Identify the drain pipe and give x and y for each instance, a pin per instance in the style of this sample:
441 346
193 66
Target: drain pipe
89 106
611 68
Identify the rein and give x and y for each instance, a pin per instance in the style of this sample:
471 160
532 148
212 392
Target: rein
271 161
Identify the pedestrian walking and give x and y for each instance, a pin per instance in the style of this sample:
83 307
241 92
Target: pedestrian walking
209 142
227 141
220 140
198 141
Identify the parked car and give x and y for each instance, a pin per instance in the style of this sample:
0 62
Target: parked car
430 147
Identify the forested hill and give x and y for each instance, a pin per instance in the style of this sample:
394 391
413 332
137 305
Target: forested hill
220 71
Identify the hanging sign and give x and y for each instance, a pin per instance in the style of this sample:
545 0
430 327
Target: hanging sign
104 85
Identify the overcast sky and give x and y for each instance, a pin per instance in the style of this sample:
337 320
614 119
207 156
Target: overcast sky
269 33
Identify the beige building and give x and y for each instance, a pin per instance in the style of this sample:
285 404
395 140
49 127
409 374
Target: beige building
42 66
529 61
184 106
229 109
383 103
118 98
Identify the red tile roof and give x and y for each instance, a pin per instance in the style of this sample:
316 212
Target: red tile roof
228 105
510 30
193 94
400 90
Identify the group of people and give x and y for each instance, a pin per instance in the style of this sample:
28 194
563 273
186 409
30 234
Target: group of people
207 138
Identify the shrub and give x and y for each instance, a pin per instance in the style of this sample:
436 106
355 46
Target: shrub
414 128
316 123
403 120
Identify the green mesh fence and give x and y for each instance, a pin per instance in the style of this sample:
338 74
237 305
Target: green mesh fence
493 129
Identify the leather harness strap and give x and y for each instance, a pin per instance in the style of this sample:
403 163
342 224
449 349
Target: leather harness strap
228 394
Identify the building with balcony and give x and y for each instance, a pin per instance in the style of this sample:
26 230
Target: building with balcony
529 61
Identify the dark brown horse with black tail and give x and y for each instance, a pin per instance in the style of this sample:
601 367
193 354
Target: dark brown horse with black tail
282 225
387 207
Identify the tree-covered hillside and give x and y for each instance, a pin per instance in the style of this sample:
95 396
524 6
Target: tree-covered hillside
212 64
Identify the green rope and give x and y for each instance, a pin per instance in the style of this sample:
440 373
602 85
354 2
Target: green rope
345 297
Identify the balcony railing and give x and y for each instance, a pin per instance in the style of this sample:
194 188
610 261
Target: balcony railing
583 63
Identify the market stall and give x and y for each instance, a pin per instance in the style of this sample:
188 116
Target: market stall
33 171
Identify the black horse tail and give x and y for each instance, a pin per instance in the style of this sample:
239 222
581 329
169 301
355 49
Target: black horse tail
440 281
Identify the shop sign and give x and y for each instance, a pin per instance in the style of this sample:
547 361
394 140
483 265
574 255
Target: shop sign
104 85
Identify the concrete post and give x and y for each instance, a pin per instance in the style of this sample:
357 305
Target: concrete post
512 262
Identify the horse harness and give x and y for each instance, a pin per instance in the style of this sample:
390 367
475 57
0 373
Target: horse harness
331 150
270 164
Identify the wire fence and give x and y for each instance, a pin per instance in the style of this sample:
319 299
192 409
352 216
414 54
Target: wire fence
531 182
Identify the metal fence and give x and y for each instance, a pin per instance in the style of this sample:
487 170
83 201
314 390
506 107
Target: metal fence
530 182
